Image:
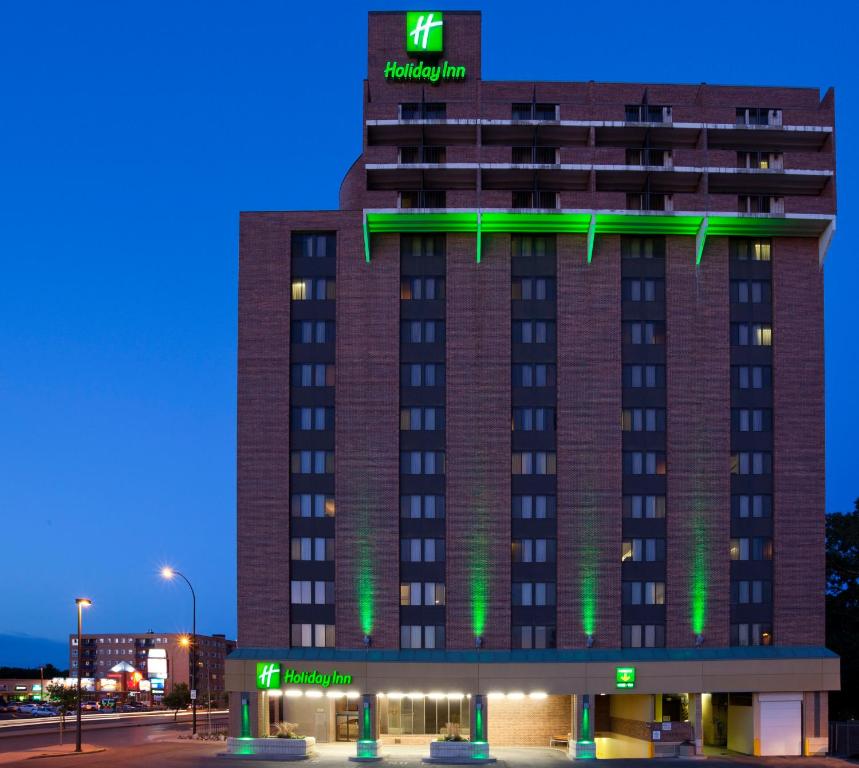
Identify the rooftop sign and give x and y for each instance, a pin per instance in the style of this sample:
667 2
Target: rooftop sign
424 35
424 31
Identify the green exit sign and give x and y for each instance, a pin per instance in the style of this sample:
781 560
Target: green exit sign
624 677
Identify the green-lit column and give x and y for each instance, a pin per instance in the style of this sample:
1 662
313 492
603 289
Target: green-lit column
584 747
367 746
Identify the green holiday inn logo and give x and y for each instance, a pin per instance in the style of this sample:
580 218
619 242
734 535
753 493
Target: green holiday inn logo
424 31
268 675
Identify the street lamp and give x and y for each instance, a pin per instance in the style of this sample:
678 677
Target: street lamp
168 573
81 603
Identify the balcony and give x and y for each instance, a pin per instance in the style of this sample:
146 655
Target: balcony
538 112
758 116
423 199
535 199
661 158
649 201
760 204
647 113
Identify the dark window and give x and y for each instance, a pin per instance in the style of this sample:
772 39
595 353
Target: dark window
423 111
532 288
533 331
752 505
418 506
532 246
751 376
534 419
644 376
531 111
312 419
422 375
536 375
533 507
314 245
421 288
422 245
533 199
528 636
642 506
643 636
642 247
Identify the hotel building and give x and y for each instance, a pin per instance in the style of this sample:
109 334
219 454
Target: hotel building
531 429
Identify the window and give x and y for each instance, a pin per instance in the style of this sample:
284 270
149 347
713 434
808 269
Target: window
532 246
750 291
312 462
533 331
755 548
644 376
532 288
751 634
533 463
422 331
538 155
312 331
758 116
644 463
530 198
643 550
528 636
312 419
414 110
751 250
422 550
313 289
422 593
644 593
642 289
421 288
642 247
752 419
422 462
643 419
421 419
533 550
312 505
312 375
422 246
312 245
421 636
643 506
752 463
752 334
532 111
421 154
533 507
647 113
530 593
534 419
430 198
422 375
312 592
312 548
643 636
751 376
534 375
752 505
313 635
640 332
751 592
417 507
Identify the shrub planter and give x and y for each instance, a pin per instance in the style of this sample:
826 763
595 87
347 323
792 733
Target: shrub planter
270 748
459 752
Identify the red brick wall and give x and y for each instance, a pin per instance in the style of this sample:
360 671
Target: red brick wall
478 434
263 430
528 723
798 440
589 436
367 435
698 436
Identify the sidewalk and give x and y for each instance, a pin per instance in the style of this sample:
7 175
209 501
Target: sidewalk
57 751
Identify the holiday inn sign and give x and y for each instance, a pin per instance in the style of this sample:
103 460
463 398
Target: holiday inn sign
270 676
424 35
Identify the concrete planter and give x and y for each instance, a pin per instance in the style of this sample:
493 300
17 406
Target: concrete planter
459 752
271 748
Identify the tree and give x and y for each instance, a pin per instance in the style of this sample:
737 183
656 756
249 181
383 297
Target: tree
65 697
32 673
178 698
842 607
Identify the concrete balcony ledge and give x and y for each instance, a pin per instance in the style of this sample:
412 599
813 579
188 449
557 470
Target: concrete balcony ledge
270 748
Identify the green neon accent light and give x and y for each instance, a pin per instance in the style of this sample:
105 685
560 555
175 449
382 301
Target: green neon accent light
479 236
420 71
589 563
478 563
424 31
700 239
481 749
384 223
536 222
366 240
699 587
592 230
366 724
624 677
366 580
315 677
246 719
366 748
585 733
268 675
479 730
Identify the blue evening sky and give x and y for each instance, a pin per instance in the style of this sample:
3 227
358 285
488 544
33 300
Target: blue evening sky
132 134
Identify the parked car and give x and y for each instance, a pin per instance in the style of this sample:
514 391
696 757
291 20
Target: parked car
41 711
27 709
89 706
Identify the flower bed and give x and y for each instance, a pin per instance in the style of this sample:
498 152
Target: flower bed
273 747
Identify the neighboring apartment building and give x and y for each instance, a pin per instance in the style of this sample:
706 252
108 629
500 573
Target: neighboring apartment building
161 659
530 430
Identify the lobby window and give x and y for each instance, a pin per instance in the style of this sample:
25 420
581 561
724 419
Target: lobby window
643 463
643 550
312 505
751 634
534 375
643 419
533 331
534 111
640 332
416 110
529 636
643 289
539 507
752 419
752 334
314 245
312 592
313 635
750 291
751 463
530 593
644 376
644 593
422 550
422 462
532 288
742 249
534 463
643 636
312 331
421 636
421 419
534 550
422 374
751 376
421 288
422 331
755 548
533 419
422 593
416 506
752 592
312 462
312 375
309 548
317 419
640 506
642 247
752 505
313 289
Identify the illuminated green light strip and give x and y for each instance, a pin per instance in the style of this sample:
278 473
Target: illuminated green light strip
479 236
383 223
592 230
588 564
366 240
365 585
698 586
246 718
478 558
536 222
700 240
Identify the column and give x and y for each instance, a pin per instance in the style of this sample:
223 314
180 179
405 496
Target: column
697 717
582 744
367 746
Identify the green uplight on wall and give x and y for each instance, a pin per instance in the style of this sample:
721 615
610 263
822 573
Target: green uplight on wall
478 566
698 581
588 565
365 584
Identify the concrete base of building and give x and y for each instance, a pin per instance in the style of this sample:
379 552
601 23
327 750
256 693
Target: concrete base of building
583 750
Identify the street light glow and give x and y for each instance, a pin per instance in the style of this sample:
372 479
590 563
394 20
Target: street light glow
184 641
83 602
167 572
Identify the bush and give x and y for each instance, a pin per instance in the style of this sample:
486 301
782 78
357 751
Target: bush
284 730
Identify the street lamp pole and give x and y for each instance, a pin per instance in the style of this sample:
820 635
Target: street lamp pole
81 603
169 573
